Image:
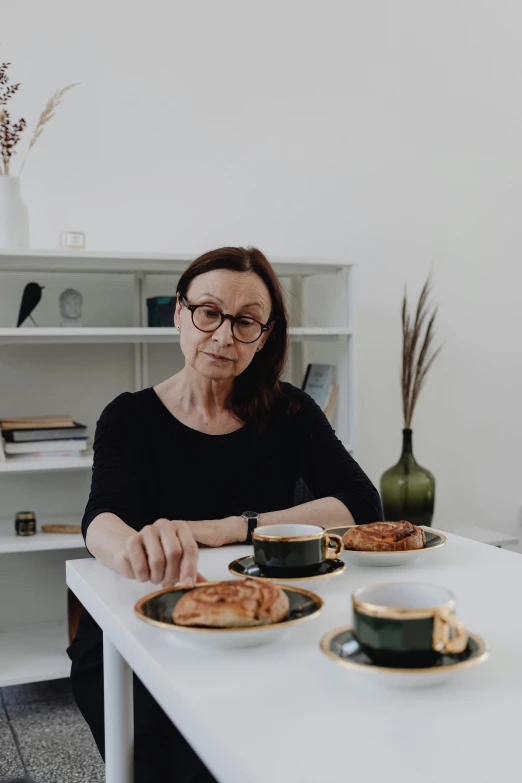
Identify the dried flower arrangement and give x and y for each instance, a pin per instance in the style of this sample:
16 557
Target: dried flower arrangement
417 350
10 132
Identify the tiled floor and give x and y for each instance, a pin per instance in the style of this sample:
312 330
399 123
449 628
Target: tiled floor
44 737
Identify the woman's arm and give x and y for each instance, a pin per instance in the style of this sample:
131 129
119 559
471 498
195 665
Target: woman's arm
163 552
329 472
326 512
105 538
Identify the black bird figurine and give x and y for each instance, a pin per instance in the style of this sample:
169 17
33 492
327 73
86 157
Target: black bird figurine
30 298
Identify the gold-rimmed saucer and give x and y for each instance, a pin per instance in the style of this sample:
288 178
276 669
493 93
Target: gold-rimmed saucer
341 646
246 567
434 540
156 609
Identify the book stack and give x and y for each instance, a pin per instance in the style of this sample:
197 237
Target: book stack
42 436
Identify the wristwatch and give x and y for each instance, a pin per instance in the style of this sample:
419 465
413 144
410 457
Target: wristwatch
252 518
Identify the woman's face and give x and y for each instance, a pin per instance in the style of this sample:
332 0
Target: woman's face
218 355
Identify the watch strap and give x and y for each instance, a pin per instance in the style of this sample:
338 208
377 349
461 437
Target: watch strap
252 519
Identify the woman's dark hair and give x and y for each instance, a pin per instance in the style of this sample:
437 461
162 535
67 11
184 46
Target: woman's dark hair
257 391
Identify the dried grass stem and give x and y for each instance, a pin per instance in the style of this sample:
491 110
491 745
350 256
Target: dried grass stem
418 353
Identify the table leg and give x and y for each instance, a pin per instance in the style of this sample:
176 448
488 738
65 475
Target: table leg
119 716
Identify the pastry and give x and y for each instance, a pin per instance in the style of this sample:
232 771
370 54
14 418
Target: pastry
385 537
232 604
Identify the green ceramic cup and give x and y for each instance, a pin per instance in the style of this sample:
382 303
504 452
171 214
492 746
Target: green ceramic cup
284 551
407 624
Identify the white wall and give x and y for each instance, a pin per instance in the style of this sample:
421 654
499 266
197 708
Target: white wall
386 132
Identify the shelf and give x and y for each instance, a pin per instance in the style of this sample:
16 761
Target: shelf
14 465
129 334
34 653
60 260
10 542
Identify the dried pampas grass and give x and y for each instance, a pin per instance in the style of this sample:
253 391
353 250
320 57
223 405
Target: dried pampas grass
418 354
46 115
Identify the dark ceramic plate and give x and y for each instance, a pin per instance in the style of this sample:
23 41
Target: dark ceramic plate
246 567
157 609
342 647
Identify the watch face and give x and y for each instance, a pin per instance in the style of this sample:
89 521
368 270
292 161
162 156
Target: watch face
250 514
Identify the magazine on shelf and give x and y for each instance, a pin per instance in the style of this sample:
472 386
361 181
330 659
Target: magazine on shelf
50 447
43 456
55 433
318 383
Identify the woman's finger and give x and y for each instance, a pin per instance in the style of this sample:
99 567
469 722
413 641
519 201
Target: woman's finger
138 559
189 563
173 551
155 554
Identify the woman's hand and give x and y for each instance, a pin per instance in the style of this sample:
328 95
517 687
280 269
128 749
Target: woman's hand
218 532
165 552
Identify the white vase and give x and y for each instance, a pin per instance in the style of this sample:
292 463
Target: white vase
14 217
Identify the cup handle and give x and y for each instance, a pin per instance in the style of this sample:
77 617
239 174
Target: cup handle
334 546
449 634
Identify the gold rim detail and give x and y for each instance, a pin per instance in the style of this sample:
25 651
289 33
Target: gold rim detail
258 533
337 572
325 644
399 612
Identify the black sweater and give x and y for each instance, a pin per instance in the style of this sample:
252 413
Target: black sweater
149 465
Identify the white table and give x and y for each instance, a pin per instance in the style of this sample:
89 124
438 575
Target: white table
284 713
486 536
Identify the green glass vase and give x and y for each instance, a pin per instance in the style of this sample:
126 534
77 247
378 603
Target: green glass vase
407 489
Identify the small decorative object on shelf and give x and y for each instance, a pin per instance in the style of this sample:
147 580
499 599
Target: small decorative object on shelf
160 310
25 523
14 217
407 489
30 298
73 239
71 307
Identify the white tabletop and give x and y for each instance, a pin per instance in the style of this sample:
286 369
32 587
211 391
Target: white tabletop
284 713
486 536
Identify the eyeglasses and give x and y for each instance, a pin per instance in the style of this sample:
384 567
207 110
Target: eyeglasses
207 319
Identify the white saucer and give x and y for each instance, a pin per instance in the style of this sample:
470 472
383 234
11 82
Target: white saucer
434 540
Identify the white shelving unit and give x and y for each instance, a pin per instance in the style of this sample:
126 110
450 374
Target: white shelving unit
45 464
320 298
130 334
10 542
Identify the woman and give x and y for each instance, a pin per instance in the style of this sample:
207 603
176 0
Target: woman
179 464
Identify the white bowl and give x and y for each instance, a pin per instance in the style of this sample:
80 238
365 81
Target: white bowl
434 540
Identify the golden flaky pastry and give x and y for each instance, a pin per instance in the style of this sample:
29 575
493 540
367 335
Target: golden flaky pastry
385 537
238 603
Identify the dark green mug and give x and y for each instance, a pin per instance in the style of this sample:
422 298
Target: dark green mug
407 624
284 551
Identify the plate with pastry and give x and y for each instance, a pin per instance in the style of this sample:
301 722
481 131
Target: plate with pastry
232 613
342 647
387 543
